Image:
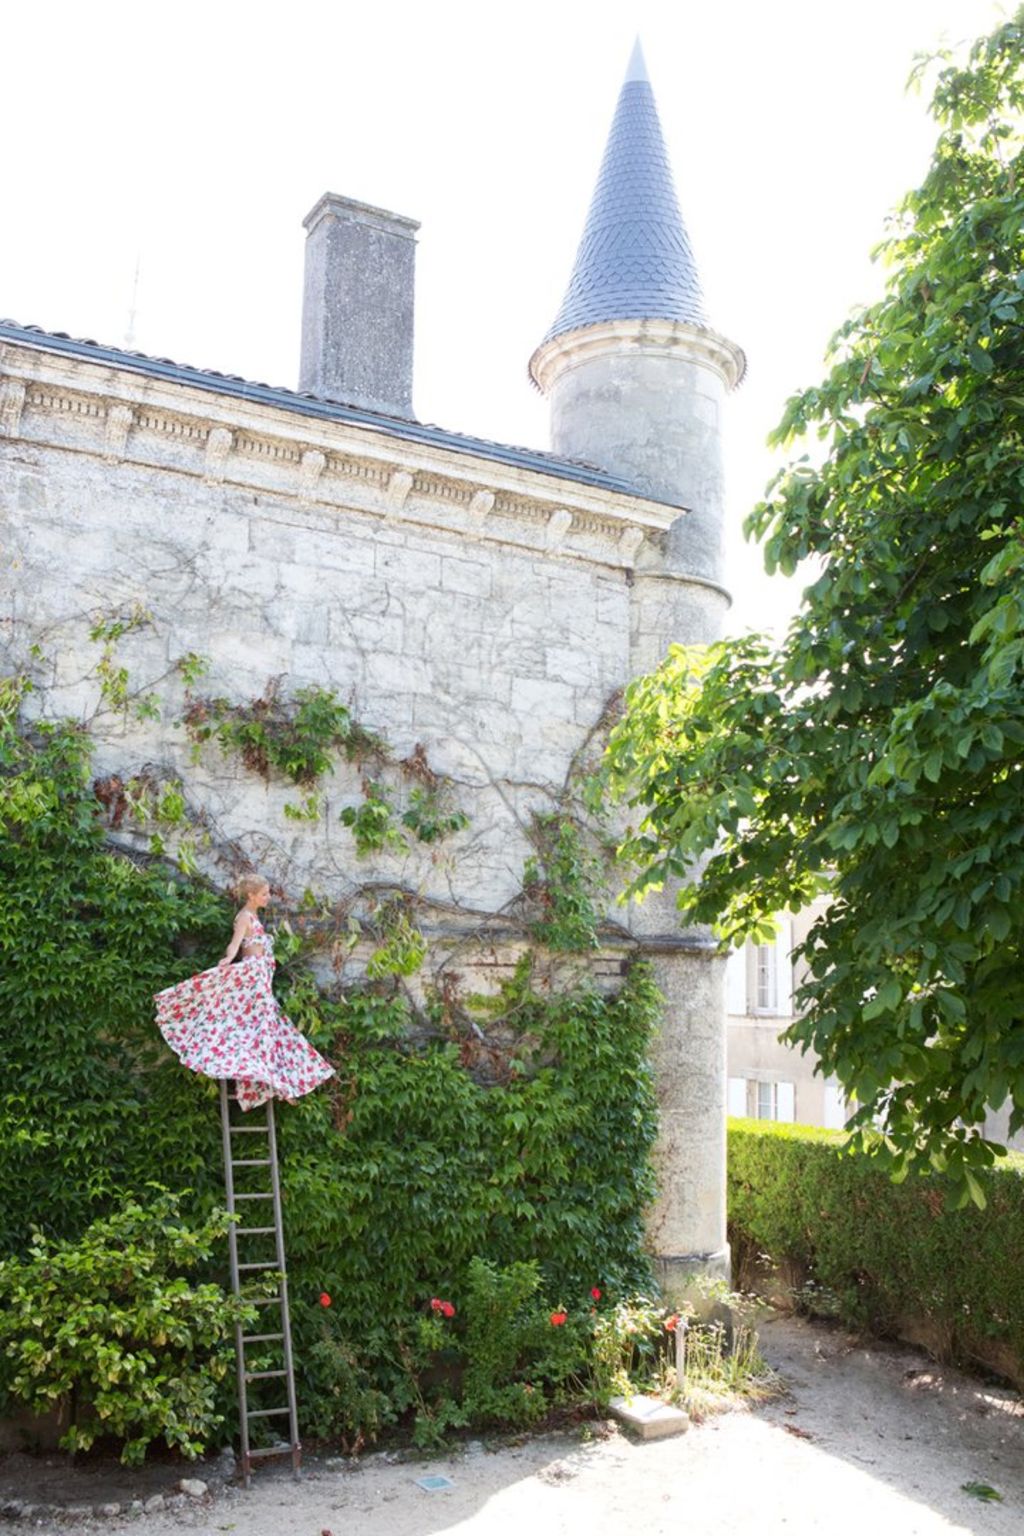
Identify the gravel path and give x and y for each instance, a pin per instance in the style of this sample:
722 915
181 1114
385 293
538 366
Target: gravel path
869 1438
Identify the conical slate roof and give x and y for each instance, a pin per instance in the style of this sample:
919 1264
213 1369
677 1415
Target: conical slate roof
634 261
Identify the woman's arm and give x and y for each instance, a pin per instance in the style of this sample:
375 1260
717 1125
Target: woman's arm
237 937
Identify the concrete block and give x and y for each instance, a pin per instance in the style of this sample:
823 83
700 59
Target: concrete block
649 1417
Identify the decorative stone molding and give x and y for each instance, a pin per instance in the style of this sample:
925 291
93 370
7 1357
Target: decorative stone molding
558 527
630 540
397 493
12 403
218 446
652 338
311 468
115 437
334 467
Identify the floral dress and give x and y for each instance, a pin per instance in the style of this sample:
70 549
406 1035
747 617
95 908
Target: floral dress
226 1022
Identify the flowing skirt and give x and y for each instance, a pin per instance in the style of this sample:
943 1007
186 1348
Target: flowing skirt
226 1022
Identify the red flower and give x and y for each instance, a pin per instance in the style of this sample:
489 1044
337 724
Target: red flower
325 1300
672 1323
436 1304
558 1318
447 1309
596 1293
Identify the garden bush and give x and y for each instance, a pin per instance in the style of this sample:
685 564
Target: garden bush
111 1333
896 1258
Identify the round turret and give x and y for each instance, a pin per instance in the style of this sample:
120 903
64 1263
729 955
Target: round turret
634 374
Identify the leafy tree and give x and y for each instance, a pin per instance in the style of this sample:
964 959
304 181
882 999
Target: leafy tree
876 752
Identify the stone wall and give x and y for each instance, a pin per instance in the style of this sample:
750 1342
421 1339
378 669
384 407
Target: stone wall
485 611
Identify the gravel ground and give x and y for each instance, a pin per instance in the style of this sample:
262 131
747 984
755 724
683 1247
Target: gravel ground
867 1438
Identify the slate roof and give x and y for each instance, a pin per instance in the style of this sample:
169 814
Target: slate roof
325 410
634 261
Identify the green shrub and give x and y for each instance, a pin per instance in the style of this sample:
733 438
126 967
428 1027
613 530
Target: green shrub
109 1331
889 1257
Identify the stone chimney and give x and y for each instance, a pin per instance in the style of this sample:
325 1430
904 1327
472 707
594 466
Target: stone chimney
357 306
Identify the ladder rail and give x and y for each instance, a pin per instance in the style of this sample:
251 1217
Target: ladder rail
280 1300
286 1328
229 1189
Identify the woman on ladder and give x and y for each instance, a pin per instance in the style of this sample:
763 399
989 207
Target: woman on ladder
226 1022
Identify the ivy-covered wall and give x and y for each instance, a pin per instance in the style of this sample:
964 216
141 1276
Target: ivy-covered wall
500 1130
380 670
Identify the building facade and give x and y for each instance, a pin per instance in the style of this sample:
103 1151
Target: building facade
767 1079
479 605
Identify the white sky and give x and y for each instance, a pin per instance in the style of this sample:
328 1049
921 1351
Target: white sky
193 138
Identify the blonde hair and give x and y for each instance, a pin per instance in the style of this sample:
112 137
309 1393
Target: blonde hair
248 885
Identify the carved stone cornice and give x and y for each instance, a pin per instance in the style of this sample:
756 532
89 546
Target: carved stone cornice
72 404
651 338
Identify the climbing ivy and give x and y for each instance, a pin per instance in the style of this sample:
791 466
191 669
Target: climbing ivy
372 822
563 879
295 737
106 630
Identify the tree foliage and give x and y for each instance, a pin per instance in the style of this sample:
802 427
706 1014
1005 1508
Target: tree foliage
876 752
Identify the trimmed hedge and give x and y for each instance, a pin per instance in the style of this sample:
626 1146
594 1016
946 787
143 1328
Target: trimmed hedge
897 1259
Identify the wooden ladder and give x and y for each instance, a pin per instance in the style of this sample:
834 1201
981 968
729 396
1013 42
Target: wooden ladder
238 1233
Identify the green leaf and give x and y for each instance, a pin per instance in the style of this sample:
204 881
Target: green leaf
983 1491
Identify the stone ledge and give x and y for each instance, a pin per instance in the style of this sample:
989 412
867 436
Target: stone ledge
649 1417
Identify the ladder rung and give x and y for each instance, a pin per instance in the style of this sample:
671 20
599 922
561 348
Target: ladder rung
273 1450
250 1162
261 1338
263 1194
248 1130
263 1375
269 1264
253 1231
262 1301
265 1413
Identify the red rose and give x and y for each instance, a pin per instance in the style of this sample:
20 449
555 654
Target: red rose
672 1323
558 1318
325 1300
596 1293
447 1309
436 1304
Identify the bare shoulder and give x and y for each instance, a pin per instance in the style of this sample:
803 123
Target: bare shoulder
242 918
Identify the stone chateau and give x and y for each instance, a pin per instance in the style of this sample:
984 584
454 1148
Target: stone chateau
485 602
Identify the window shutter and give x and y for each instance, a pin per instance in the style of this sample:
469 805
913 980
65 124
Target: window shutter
786 1102
835 1106
784 966
737 1097
736 981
